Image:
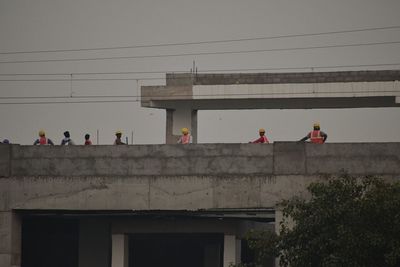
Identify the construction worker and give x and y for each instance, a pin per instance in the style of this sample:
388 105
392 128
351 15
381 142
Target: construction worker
43 140
87 140
67 139
118 141
316 136
185 138
262 139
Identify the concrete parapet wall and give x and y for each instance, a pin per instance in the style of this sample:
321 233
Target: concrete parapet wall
280 158
299 77
180 177
211 159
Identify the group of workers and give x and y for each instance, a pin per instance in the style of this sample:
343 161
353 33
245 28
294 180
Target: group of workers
315 136
43 140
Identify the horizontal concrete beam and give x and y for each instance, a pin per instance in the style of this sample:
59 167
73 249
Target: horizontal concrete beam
304 90
280 158
177 177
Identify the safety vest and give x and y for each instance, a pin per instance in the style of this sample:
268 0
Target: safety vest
316 138
43 141
186 139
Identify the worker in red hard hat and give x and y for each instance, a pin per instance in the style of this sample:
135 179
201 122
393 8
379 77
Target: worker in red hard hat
263 138
316 136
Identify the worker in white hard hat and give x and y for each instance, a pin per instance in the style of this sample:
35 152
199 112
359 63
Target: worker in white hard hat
263 138
316 136
185 138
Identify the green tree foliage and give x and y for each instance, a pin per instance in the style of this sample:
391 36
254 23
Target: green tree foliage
346 222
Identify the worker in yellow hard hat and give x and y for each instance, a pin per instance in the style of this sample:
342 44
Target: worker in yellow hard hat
118 141
316 136
43 140
185 138
262 138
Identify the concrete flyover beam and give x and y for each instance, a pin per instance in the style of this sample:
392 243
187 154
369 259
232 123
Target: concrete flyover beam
185 93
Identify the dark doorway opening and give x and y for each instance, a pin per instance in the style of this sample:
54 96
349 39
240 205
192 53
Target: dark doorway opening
176 250
49 242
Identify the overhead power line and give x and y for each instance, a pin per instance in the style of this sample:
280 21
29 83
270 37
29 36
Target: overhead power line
139 98
203 42
201 53
69 102
175 71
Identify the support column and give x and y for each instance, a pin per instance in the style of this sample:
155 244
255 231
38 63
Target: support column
169 135
194 125
278 219
120 252
176 119
229 250
10 239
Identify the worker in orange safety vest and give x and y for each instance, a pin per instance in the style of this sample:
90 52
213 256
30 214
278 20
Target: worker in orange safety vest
316 136
43 140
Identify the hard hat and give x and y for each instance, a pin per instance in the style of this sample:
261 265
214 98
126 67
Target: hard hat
42 133
261 130
185 130
316 125
6 141
118 132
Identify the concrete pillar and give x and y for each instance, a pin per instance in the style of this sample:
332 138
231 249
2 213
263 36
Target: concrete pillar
169 136
176 119
238 250
119 251
278 219
193 125
10 239
229 250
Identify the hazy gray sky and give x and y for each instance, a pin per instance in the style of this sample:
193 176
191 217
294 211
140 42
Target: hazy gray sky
43 25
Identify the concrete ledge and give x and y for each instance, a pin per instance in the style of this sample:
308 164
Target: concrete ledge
200 159
289 158
358 158
279 158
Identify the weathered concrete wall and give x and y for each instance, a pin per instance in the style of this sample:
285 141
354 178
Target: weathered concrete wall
276 78
176 177
299 77
167 177
280 158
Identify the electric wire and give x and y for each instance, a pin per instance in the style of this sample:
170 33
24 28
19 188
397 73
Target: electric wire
204 42
182 71
163 98
201 53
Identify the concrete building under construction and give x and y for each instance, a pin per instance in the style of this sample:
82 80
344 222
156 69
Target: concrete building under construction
181 205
